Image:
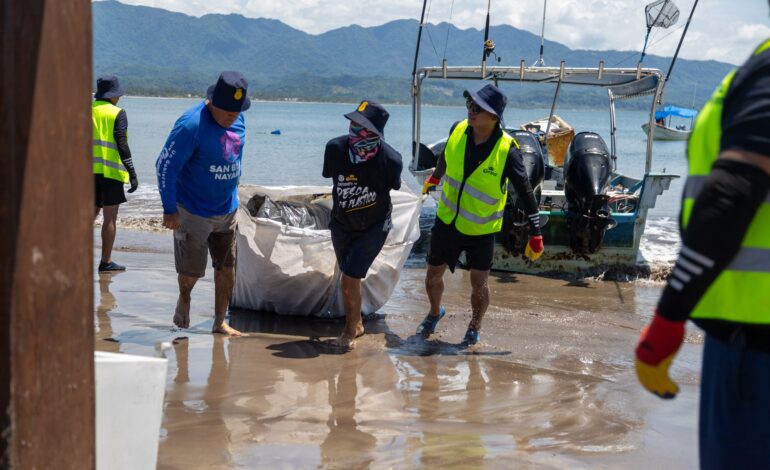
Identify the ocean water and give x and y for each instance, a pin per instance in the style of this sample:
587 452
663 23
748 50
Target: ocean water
296 156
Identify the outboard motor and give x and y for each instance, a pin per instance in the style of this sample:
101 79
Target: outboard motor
587 175
515 233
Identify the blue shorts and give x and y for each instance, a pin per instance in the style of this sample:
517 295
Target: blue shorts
356 250
734 405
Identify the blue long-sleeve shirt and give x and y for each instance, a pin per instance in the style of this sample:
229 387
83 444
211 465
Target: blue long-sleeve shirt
200 164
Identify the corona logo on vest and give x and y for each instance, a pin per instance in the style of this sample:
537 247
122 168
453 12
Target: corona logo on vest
490 171
362 106
238 94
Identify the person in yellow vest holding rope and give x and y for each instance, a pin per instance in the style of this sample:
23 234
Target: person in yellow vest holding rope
112 163
478 161
721 279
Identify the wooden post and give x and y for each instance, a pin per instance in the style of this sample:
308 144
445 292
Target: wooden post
46 246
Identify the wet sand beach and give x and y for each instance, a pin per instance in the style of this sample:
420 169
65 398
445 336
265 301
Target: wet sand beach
551 385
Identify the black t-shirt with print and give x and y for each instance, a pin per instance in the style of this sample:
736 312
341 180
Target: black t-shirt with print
361 191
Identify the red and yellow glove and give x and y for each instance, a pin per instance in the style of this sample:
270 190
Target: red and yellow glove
534 248
430 184
658 344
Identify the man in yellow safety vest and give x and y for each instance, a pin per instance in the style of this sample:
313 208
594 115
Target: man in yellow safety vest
112 163
478 161
722 276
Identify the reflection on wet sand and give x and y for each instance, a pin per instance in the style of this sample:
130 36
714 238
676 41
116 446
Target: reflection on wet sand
549 386
107 303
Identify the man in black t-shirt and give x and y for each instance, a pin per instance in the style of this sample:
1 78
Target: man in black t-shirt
363 169
722 276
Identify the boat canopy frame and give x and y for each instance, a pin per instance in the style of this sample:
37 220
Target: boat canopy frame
620 83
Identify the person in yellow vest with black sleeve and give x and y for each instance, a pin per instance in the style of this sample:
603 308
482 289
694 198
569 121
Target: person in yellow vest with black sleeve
478 161
112 163
721 279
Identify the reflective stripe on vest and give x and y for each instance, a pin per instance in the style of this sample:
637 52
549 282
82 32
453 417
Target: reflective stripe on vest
741 293
106 159
481 194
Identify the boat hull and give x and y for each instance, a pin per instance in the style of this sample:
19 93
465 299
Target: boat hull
666 133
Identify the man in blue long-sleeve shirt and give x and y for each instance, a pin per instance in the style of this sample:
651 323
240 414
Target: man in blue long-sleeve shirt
198 171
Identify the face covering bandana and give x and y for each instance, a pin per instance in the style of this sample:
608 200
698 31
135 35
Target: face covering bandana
363 144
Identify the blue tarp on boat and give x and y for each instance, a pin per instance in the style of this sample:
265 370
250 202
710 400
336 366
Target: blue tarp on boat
669 110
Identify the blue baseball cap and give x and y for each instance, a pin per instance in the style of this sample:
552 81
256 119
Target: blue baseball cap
108 86
230 92
490 98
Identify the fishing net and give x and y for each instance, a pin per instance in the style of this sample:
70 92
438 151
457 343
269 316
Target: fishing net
661 13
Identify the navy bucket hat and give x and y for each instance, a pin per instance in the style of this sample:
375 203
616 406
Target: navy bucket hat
108 86
490 98
371 115
230 92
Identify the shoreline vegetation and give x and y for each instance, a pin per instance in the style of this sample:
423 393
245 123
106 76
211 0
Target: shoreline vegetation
311 100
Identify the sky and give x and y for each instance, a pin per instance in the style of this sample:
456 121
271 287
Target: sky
724 30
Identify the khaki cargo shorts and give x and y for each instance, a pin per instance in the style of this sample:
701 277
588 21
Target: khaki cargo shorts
199 236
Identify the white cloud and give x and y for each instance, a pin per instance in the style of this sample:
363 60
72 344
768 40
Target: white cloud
578 24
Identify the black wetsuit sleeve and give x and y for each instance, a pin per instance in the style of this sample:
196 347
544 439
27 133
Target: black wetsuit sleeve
329 153
722 213
396 165
746 112
517 175
120 133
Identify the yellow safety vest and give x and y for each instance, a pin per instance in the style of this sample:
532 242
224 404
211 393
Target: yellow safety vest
741 293
482 194
106 159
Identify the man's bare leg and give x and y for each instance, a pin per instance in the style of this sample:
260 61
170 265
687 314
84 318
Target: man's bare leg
182 313
224 279
109 228
479 297
351 300
434 286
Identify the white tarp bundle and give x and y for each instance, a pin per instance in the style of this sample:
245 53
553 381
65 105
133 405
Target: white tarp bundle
293 271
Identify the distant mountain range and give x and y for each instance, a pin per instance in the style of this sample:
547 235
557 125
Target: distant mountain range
158 52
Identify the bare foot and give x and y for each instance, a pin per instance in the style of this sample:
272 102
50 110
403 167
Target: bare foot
347 341
182 314
225 329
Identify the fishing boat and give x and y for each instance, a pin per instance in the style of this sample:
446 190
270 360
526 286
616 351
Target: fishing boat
663 130
595 215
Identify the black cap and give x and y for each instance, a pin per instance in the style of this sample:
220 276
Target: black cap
490 98
108 86
230 92
371 115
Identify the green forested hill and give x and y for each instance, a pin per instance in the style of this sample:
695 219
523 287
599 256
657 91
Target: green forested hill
158 52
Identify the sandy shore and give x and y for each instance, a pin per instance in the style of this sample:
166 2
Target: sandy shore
551 384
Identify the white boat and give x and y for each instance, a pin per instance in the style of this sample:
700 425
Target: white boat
663 130
285 258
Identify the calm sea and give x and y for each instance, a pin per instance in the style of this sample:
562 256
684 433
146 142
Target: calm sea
295 156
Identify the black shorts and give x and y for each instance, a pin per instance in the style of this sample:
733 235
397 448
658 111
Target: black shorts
108 192
356 251
446 244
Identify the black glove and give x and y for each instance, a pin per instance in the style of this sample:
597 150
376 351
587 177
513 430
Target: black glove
134 183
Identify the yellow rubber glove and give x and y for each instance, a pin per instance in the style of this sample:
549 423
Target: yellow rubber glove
430 184
535 248
658 344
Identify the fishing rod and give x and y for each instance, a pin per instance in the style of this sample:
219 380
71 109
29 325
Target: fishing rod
489 46
676 53
541 62
414 81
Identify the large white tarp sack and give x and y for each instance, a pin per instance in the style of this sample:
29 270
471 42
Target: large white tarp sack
292 270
